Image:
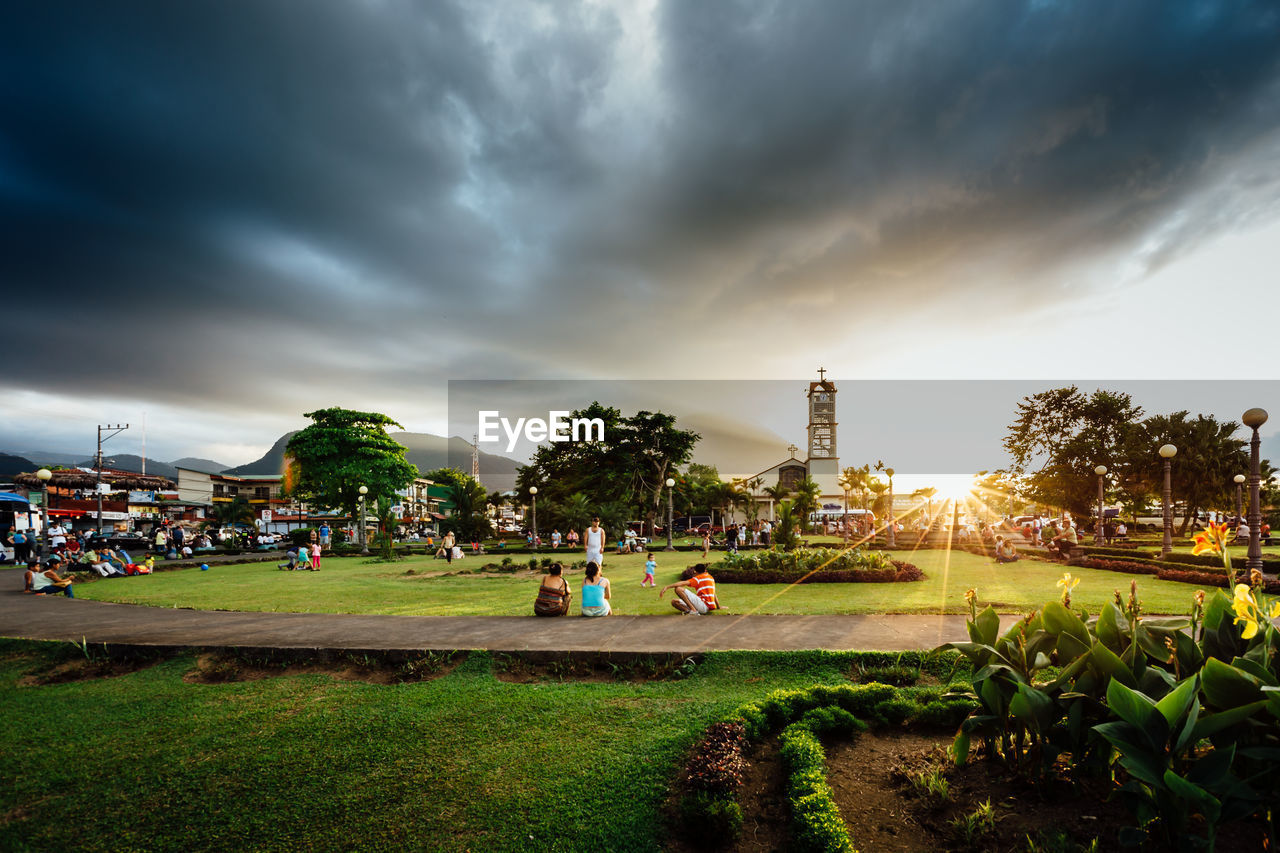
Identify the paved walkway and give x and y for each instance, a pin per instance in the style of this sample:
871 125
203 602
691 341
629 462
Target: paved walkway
59 618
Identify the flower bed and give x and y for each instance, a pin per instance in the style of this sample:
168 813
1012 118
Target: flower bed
814 565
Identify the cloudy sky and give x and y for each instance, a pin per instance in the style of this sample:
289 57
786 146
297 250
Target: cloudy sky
223 215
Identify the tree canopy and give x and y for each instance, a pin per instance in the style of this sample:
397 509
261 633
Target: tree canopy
1061 435
342 450
622 475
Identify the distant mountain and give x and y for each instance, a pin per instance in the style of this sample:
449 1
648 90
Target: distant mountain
50 458
129 462
11 465
426 451
197 464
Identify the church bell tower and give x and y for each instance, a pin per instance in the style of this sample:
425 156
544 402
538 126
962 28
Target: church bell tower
824 462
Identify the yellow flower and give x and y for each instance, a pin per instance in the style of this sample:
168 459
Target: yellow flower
971 595
1068 583
1248 613
1213 540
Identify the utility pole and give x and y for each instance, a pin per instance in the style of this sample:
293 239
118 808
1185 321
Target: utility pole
114 430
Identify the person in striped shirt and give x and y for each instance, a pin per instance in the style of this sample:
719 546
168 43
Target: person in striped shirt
695 596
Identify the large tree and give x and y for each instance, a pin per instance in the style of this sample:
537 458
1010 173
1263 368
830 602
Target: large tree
1060 436
623 474
342 450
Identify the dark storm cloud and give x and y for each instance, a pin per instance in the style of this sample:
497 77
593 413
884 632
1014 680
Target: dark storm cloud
909 133
377 193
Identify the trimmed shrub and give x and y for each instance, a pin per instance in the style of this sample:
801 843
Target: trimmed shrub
815 819
710 820
832 720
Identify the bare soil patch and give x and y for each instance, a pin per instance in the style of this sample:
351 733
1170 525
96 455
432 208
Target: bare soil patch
885 812
223 666
96 662
540 667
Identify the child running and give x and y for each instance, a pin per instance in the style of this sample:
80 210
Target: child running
650 566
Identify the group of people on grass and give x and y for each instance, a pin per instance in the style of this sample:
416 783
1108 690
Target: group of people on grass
694 596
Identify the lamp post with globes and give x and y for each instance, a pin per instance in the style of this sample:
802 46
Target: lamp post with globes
364 536
1253 419
1167 452
671 487
891 535
44 475
1239 479
1098 537
533 496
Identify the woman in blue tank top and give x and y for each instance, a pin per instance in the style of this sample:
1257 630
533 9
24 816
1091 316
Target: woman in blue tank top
595 593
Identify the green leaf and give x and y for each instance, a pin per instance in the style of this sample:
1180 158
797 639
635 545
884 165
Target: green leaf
1131 706
1218 606
988 625
1205 803
1111 627
1174 706
1032 707
1257 670
1136 753
1070 648
1227 687
1213 767
1107 663
1211 724
1059 620
960 749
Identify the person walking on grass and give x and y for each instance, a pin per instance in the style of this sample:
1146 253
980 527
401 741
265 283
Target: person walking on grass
706 542
650 566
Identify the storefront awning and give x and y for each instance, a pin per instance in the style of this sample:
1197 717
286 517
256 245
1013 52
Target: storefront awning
10 501
67 513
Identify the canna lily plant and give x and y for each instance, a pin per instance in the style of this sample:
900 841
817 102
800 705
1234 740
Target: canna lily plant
1213 540
1066 584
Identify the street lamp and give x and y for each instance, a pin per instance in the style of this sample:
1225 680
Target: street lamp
671 488
1239 479
1253 419
364 537
1101 471
44 475
1167 452
533 493
891 537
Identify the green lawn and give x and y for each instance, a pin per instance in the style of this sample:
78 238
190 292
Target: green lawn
465 762
360 585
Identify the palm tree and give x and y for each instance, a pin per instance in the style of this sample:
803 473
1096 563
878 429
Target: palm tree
785 530
927 494
235 512
387 520
576 511
806 500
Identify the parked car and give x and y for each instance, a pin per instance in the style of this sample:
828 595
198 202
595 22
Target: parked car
127 541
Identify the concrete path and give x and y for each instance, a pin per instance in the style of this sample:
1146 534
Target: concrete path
59 618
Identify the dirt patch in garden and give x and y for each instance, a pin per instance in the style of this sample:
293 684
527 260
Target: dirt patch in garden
222 667
97 663
885 812
542 667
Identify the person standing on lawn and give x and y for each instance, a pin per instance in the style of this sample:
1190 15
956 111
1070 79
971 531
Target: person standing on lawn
593 538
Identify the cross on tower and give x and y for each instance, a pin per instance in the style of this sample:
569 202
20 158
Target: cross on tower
793 449
822 374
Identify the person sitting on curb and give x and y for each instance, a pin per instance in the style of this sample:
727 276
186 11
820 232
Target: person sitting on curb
697 595
1064 541
44 580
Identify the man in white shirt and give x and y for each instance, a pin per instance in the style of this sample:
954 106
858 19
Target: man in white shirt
57 536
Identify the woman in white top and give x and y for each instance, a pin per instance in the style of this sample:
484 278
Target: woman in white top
593 538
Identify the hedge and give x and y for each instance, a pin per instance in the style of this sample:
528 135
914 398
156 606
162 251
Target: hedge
709 808
901 573
1167 573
